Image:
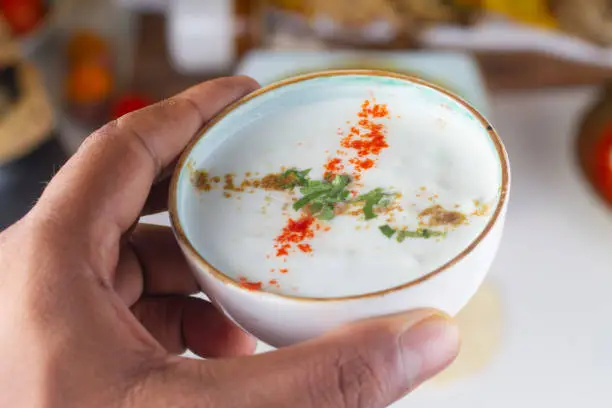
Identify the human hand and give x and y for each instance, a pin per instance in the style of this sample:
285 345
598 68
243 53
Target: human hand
94 308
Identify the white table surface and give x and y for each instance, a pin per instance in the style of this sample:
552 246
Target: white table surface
553 271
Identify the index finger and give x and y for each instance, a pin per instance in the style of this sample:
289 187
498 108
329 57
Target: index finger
103 187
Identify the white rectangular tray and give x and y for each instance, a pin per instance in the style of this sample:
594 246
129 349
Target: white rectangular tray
455 71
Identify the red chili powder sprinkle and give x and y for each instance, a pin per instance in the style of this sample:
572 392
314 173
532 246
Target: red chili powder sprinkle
295 232
249 285
333 167
282 250
306 248
367 140
363 164
370 142
284 270
273 282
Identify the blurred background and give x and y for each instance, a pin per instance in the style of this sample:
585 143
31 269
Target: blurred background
538 332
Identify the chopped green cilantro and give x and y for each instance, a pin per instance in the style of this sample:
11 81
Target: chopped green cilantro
387 231
403 234
307 199
419 233
371 199
321 196
294 177
326 213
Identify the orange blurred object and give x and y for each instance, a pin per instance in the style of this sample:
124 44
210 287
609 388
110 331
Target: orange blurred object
602 172
87 46
89 83
23 16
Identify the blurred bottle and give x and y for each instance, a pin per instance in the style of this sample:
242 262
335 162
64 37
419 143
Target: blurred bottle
96 62
102 26
210 36
90 77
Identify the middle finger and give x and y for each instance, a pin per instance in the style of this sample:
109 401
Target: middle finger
153 264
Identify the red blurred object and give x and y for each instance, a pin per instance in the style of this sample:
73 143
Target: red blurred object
129 103
23 15
602 173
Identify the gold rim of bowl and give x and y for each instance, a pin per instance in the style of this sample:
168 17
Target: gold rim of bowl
217 274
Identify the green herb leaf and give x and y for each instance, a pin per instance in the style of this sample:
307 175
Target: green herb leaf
340 182
316 207
387 231
303 173
295 178
315 183
419 233
432 233
299 204
371 199
322 195
326 213
315 186
376 194
411 234
338 191
368 210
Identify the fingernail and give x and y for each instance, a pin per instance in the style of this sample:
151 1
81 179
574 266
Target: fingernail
429 344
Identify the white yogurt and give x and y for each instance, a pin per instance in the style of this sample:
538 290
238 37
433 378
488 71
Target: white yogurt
434 142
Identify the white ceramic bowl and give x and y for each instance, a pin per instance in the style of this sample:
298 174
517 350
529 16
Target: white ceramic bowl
281 319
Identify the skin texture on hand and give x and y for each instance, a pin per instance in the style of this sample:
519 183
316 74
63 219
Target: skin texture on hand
94 308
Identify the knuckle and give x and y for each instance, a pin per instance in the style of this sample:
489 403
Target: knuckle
355 380
158 112
183 384
358 382
105 130
172 101
99 136
146 119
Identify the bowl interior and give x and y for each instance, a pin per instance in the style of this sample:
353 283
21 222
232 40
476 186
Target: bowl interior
297 123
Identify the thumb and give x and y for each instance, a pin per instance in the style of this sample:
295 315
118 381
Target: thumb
367 364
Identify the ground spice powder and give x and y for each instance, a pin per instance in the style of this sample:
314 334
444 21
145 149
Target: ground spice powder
436 216
360 149
294 234
363 143
245 283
